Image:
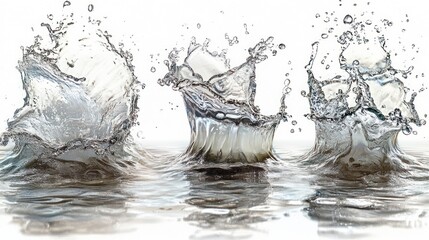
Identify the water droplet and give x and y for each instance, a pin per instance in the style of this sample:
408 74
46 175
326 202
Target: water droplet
327 19
66 3
50 16
294 122
90 7
198 25
317 15
423 122
282 46
327 66
368 22
324 36
153 69
286 82
292 130
348 19
303 93
355 62
406 129
330 30
415 132
245 29
274 52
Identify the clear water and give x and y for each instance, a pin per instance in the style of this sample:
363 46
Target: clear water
70 165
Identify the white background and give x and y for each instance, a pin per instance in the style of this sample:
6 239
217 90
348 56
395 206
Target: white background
156 27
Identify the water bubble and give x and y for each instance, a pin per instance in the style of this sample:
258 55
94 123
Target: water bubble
66 3
198 25
50 16
406 129
324 36
294 122
348 19
282 46
153 69
90 8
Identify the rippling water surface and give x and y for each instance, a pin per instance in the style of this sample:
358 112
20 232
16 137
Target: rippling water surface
167 197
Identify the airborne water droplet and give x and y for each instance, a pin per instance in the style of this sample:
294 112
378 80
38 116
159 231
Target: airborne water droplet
198 25
90 7
66 3
292 130
324 36
153 69
294 122
348 19
282 46
50 16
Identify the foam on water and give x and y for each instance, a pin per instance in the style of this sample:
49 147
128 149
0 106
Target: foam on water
358 117
80 103
226 126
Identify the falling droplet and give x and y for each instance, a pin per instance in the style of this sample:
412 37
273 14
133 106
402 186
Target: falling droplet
317 15
292 130
324 36
66 3
294 122
198 25
282 46
348 19
153 69
90 7
245 28
50 16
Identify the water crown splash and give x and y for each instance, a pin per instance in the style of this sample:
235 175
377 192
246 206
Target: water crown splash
358 118
226 126
80 103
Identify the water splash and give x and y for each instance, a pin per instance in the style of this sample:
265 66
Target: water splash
226 126
358 117
81 101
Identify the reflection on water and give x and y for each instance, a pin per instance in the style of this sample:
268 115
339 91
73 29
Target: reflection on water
219 200
225 196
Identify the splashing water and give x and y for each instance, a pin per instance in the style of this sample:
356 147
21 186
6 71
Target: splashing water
81 100
226 126
358 117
